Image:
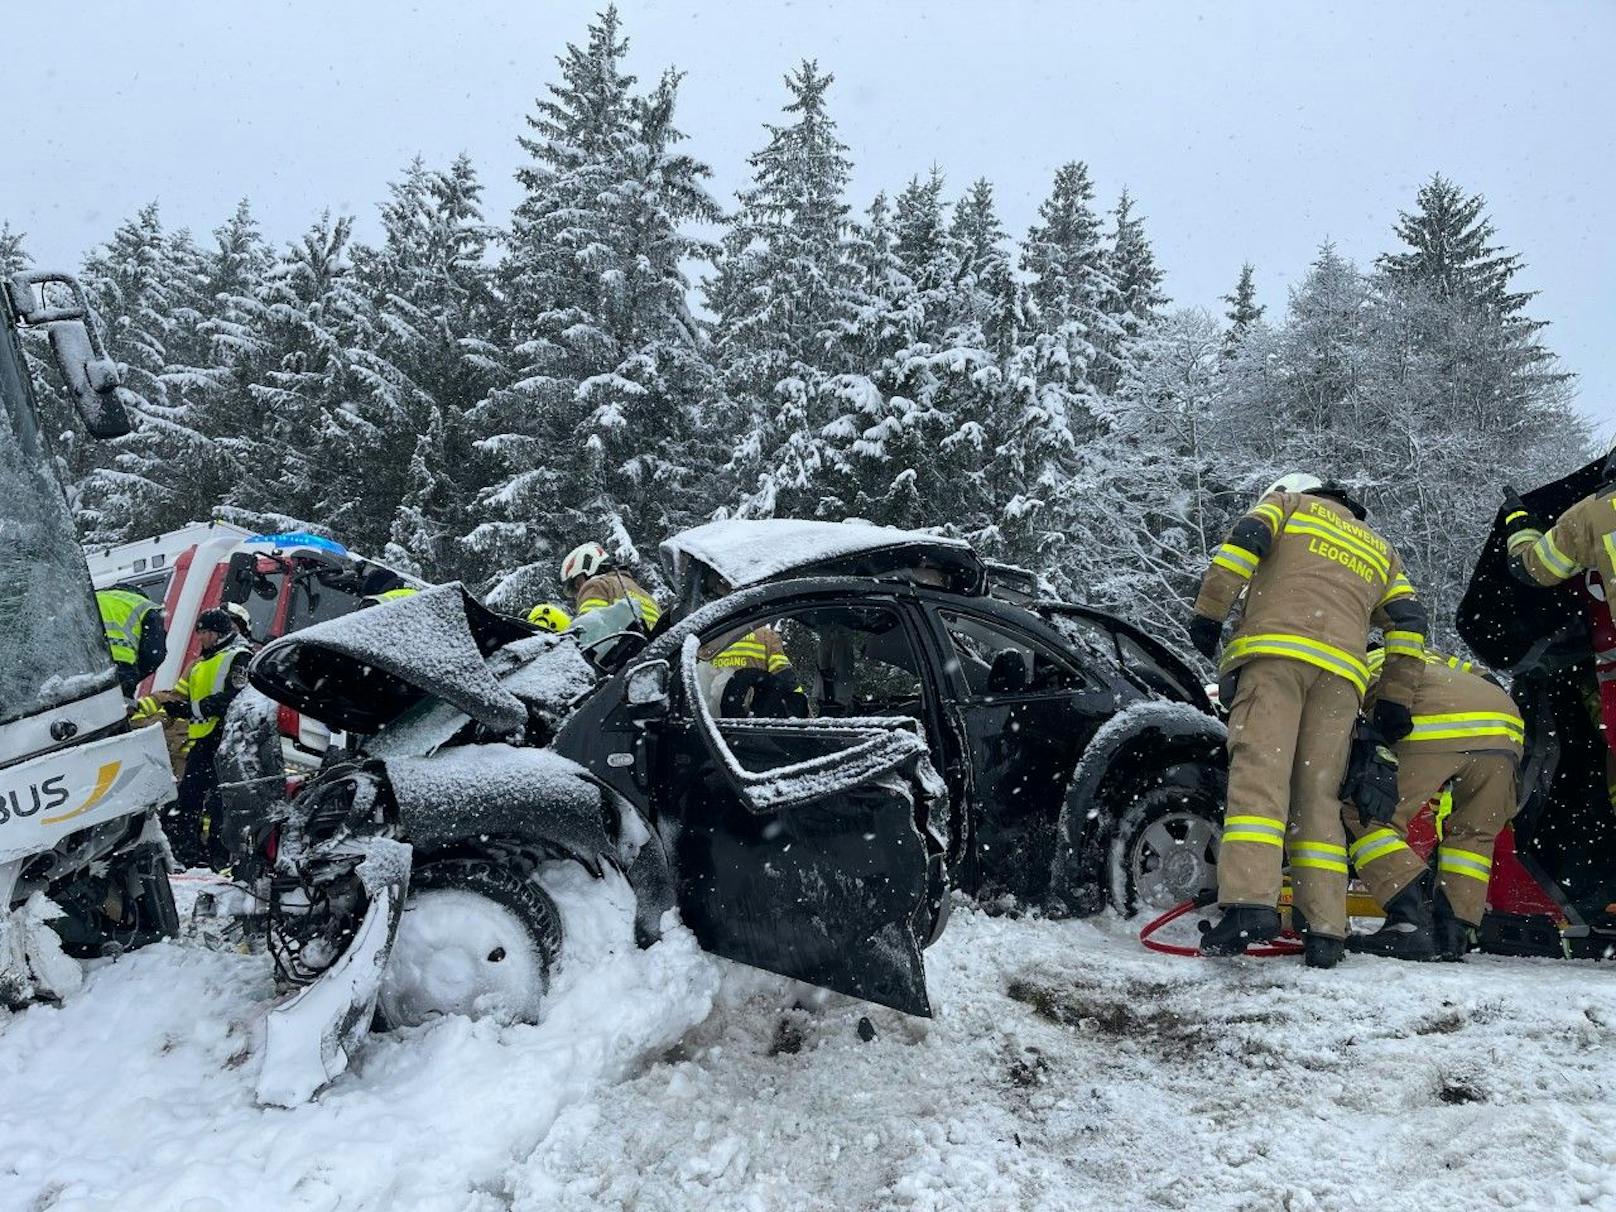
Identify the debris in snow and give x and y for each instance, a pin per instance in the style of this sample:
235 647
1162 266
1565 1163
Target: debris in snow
34 965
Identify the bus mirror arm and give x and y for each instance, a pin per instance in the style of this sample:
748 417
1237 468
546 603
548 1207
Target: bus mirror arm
91 377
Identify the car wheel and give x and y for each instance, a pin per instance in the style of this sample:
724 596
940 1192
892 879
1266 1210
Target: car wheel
477 937
1165 850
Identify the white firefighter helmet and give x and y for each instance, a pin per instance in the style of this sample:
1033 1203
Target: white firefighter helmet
1294 481
584 561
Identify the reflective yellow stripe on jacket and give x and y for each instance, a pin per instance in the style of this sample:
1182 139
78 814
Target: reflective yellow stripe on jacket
1551 557
1460 725
649 611
1237 560
749 652
1299 648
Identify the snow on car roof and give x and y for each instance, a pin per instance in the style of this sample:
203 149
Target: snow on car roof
749 552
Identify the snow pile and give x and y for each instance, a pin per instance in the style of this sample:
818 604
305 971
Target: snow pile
137 1093
1066 1068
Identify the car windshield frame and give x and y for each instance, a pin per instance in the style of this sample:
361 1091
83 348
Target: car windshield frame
52 645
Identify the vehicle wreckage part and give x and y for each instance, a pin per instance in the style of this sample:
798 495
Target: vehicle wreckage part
475 938
534 798
364 670
310 1037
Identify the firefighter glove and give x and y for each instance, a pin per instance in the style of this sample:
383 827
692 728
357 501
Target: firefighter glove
1204 634
145 708
1393 721
1371 781
1517 517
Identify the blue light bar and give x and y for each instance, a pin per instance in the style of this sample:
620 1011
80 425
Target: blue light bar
299 538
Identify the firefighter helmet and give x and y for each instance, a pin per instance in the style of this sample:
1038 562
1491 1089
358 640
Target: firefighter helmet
216 622
1294 481
584 561
547 617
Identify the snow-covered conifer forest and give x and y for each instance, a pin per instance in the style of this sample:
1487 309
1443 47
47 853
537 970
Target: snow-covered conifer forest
628 354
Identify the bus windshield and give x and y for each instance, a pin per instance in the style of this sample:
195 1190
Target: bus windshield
52 649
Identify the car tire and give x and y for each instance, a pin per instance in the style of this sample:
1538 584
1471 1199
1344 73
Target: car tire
479 937
1164 850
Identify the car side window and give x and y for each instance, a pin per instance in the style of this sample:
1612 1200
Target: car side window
996 662
843 660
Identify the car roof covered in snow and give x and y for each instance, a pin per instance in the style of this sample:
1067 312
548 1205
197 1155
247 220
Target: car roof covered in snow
750 552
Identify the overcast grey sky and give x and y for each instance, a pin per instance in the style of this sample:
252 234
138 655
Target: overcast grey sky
1246 131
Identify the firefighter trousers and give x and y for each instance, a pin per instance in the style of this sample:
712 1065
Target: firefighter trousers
182 819
1483 803
1290 727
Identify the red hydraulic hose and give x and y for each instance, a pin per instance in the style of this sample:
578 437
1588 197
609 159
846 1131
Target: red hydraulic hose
1177 911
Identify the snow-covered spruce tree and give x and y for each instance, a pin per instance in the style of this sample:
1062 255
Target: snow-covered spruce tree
327 396
1155 469
782 293
911 444
144 283
596 438
1450 254
991 315
431 290
1450 250
229 359
1244 310
1135 299
1065 255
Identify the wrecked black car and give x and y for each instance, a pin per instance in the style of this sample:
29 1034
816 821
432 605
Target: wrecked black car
940 727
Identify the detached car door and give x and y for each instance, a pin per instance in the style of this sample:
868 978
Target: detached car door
803 841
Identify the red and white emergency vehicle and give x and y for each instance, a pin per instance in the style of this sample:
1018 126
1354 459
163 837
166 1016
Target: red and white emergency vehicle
286 581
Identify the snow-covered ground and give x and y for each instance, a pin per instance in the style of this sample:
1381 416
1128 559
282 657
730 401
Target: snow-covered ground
1067 1068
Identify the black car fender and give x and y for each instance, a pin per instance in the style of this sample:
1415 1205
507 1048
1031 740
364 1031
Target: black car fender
480 796
1147 743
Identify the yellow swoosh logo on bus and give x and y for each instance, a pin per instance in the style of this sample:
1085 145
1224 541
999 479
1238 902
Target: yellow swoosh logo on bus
104 778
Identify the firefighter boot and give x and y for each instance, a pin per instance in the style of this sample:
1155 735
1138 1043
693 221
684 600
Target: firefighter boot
1240 926
1451 935
1319 951
1407 932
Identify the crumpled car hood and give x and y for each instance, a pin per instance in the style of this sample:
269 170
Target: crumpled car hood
365 669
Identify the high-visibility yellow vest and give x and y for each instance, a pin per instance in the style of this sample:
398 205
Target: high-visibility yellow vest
208 676
123 614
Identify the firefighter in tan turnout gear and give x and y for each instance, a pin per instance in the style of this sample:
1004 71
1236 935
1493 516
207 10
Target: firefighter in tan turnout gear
1315 580
1582 539
595 582
1468 733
